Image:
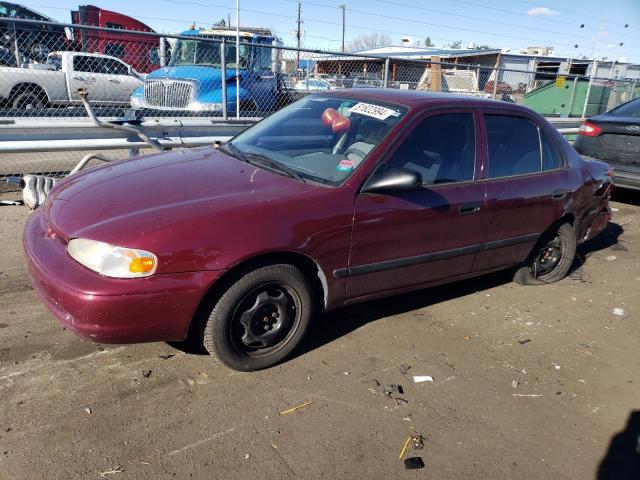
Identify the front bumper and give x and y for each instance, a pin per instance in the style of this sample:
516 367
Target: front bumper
109 310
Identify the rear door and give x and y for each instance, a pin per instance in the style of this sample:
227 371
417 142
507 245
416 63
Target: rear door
87 73
412 238
525 181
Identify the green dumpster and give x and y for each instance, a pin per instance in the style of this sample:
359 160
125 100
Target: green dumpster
551 100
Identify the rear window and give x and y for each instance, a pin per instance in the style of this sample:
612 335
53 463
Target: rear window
514 146
630 109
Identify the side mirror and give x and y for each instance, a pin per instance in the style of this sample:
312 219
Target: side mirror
394 181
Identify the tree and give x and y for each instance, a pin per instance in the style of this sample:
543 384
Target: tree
428 42
366 42
221 23
456 44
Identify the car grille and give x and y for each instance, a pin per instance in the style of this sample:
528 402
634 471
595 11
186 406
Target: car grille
168 94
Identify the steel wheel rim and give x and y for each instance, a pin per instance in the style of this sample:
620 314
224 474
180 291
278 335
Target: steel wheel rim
265 319
549 256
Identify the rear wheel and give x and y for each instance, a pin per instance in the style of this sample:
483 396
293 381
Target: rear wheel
551 259
29 100
260 319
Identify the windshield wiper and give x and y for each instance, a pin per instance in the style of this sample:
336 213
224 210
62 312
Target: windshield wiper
266 161
260 159
234 151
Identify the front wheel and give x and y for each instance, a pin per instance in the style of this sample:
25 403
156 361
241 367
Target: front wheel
551 258
260 319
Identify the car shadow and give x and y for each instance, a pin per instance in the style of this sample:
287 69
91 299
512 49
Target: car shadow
626 195
608 238
622 461
337 323
341 322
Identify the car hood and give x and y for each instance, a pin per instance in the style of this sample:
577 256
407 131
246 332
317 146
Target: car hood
202 74
170 202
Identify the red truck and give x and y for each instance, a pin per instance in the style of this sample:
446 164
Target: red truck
139 51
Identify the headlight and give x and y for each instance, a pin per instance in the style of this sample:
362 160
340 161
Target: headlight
200 106
112 261
137 101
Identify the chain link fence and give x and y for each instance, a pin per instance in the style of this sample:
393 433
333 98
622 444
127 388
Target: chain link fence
202 74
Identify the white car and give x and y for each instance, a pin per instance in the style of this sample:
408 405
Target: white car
109 81
312 84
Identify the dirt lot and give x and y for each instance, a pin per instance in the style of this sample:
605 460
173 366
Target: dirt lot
530 382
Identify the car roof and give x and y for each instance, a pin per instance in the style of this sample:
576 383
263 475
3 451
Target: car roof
420 98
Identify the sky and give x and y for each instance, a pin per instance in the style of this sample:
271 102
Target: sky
514 24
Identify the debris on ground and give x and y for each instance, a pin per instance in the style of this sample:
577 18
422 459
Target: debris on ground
167 356
526 395
118 469
514 383
404 368
296 408
610 258
246 456
146 373
618 312
524 342
387 388
413 463
422 378
87 409
418 441
403 450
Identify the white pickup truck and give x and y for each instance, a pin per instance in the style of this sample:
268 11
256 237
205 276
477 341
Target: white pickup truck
108 80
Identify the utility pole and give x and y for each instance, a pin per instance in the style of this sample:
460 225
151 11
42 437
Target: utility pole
343 7
298 35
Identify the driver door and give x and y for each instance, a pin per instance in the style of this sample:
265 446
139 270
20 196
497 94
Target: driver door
407 239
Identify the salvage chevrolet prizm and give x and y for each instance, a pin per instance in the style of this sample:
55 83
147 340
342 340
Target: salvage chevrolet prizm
338 198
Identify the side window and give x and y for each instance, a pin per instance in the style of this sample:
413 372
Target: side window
114 67
514 146
442 149
551 159
82 63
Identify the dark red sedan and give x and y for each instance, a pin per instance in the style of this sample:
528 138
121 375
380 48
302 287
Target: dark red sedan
336 199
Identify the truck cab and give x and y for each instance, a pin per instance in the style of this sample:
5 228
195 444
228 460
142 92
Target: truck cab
192 80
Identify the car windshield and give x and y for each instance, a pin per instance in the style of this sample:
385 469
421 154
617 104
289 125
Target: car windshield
630 109
200 52
321 138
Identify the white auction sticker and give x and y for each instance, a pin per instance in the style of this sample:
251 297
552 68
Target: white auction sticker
375 111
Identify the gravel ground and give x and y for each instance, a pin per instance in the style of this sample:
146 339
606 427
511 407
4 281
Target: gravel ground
530 382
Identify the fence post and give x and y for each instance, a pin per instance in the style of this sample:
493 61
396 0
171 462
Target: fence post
586 100
162 50
16 50
385 80
436 74
223 75
573 94
633 90
495 82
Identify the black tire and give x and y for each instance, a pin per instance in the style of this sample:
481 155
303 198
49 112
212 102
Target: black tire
550 259
29 99
274 297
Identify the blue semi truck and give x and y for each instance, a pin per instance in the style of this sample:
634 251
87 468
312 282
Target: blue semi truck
192 79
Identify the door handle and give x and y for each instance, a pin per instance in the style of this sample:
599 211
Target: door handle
471 207
559 194
113 80
81 79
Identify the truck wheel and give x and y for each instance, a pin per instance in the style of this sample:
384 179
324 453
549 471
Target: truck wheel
259 319
550 259
29 100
